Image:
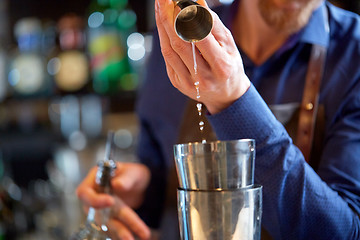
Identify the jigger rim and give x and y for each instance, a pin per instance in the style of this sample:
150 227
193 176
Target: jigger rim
203 35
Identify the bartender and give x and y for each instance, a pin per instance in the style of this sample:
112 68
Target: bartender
284 73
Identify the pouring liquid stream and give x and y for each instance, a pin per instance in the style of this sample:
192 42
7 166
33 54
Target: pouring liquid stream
198 105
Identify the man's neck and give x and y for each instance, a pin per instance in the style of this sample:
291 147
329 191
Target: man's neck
258 40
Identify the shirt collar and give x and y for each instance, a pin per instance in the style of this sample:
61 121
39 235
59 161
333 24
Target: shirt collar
317 30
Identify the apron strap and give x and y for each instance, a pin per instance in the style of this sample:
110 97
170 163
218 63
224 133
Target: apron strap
310 100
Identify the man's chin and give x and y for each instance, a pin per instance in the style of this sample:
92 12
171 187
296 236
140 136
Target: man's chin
289 28
287 19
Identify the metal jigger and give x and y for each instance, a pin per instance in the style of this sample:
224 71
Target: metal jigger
217 197
194 22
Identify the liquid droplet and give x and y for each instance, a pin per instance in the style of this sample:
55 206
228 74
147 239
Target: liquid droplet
197 88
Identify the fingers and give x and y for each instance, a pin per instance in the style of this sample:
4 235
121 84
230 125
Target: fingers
202 3
129 222
124 223
221 75
133 221
177 53
119 231
218 42
169 39
178 81
130 176
87 194
131 182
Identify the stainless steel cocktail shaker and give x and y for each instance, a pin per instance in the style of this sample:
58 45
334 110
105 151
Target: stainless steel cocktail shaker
217 197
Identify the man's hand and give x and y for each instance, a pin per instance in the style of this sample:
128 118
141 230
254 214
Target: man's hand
128 185
220 74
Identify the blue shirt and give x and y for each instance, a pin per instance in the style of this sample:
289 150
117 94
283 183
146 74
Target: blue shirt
298 203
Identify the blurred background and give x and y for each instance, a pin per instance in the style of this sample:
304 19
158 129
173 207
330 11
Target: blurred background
69 72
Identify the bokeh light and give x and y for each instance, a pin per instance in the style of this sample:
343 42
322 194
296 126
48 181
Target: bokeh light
95 19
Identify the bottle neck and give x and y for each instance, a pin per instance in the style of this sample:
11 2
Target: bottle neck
98 218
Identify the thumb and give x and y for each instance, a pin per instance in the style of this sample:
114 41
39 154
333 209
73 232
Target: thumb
91 198
131 176
202 3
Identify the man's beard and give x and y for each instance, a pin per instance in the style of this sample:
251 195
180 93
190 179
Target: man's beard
283 21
